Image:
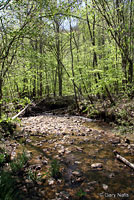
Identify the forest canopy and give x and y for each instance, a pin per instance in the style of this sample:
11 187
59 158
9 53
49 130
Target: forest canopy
56 48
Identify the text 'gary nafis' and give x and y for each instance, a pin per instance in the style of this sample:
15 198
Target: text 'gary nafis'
113 195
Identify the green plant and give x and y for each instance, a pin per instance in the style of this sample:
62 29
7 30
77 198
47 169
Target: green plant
8 187
55 169
2 158
24 101
34 176
17 164
7 126
81 193
122 114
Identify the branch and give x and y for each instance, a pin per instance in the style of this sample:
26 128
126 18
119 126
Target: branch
17 36
123 160
22 111
3 6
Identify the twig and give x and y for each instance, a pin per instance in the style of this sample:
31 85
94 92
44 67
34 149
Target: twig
123 160
22 111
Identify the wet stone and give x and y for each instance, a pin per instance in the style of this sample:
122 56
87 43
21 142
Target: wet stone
44 162
92 183
76 173
64 195
95 132
105 187
51 181
111 175
83 134
38 167
115 140
79 149
77 162
61 151
96 165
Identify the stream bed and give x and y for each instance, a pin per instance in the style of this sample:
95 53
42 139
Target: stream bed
81 151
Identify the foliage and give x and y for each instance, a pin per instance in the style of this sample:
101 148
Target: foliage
48 50
81 194
17 164
7 126
2 159
55 169
8 187
35 177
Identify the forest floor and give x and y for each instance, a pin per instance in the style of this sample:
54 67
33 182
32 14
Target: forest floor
71 157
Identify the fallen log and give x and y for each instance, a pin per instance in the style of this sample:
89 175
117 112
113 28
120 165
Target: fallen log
22 111
123 160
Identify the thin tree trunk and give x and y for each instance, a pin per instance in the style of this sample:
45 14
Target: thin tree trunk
1 82
72 64
59 67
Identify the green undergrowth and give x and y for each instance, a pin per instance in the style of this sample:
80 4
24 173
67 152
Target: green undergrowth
9 179
55 169
120 115
18 163
9 188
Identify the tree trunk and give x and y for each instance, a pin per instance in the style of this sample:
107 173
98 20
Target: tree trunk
1 82
59 67
72 64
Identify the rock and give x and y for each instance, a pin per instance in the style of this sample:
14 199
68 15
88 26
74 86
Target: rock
111 175
102 132
67 151
51 181
95 132
71 142
29 154
131 146
76 173
123 144
79 149
97 165
127 141
77 162
92 183
38 167
44 162
78 180
61 151
105 187
83 134
64 195
115 140
64 133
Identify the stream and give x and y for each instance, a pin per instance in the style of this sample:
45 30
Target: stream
82 150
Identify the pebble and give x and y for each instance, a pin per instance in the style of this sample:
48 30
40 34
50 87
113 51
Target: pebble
44 162
92 183
105 187
111 175
38 167
79 149
115 140
77 162
76 173
61 151
51 181
96 165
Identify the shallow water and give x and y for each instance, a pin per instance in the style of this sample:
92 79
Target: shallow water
76 153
